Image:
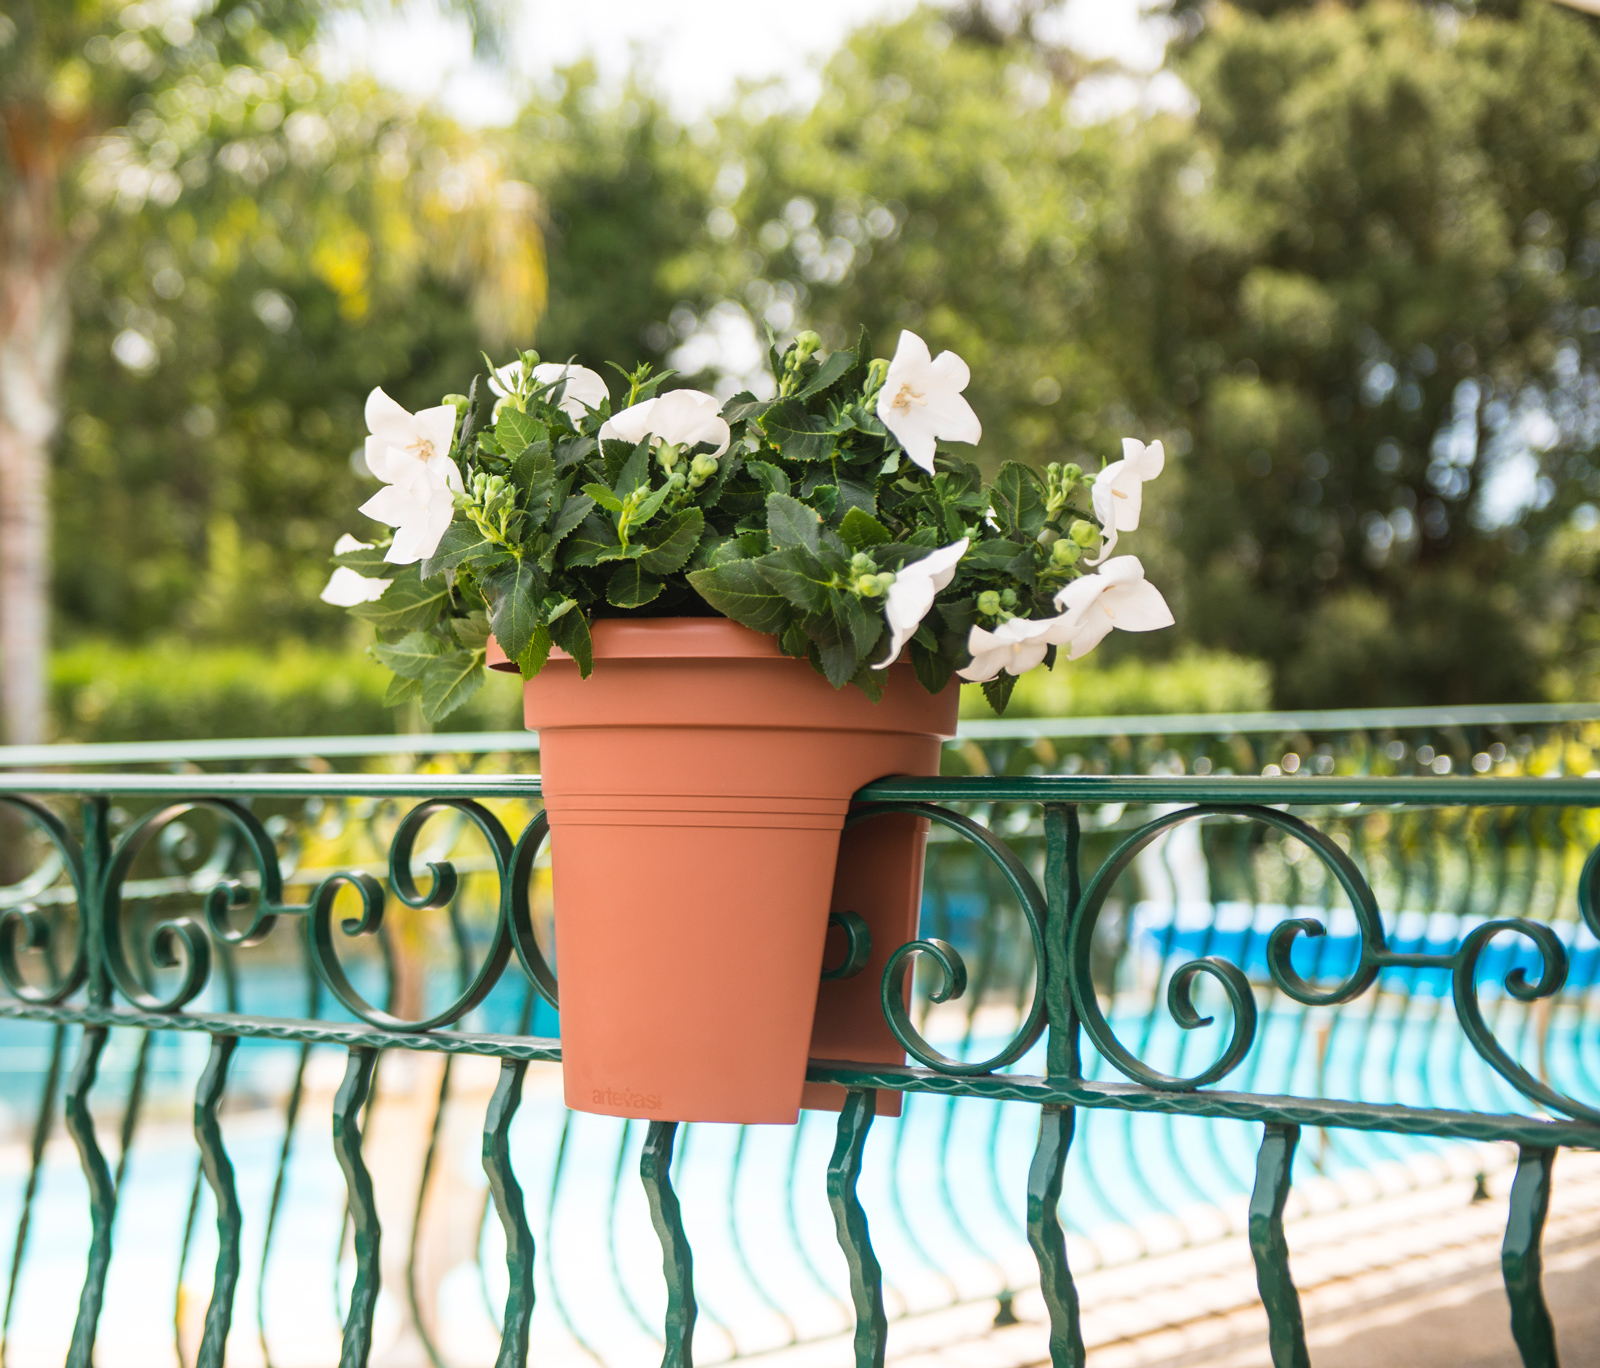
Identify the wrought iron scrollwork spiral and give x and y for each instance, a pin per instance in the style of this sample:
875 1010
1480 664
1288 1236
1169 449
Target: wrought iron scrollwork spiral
25 927
440 893
953 972
1229 976
183 943
518 913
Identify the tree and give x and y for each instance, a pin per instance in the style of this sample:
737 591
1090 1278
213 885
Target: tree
1363 281
210 136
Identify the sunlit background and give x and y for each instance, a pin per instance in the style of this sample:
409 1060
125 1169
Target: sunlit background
1339 258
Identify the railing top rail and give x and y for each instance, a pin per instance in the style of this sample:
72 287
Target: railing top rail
1022 728
1308 790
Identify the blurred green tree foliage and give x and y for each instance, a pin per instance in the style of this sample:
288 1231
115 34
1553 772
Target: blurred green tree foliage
1364 278
1354 292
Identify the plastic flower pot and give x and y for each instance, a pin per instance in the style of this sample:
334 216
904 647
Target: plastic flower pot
697 784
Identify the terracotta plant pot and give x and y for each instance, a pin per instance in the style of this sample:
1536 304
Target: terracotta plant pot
697 784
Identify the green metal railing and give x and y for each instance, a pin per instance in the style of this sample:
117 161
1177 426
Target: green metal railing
1398 960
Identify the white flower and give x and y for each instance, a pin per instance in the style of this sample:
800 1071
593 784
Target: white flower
1118 595
911 595
1118 490
921 399
585 390
1015 646
345 588
681 417
410 453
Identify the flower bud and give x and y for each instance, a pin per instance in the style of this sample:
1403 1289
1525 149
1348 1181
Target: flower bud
885 579
458 402
862 564
805 344
1065 553
867 586
701 469
1008 599
667 455
877 373
1071 473
989 603
1083 532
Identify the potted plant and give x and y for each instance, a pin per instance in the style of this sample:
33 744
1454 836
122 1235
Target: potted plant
729 616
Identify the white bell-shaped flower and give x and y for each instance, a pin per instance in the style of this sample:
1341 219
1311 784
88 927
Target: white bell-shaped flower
410 453
1117 595
585 390
346 588
912 594
921 399
1015 646
1118 492
682 417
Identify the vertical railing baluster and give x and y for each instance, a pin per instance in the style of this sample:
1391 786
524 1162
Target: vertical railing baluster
1522 1260
677 1259
347 1104
850 1219
1062 889
1047 1237
218 1169
1286 1331
513 1213
75 1105
102 1194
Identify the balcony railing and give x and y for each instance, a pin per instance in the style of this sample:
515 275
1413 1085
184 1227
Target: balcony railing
1134 996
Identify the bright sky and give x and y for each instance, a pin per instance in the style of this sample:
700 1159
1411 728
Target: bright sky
696 51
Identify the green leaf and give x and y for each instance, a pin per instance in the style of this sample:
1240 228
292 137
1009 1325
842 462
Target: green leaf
618 552
791 523
1017 497
573 512
635 471
828 373
739 590
629 587
796 433
514 592
768 476
998 691
857 494
594 536
409 603
472 631
861 530
573 450
673 541
571 633
449 682
516 430
824 498
604 497
411 655
799 576
744 405
402 691
535 473
463 541
369 562
614 454
992 554
532 660
863 625
932 669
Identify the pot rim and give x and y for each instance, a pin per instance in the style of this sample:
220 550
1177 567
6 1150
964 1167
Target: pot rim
684 638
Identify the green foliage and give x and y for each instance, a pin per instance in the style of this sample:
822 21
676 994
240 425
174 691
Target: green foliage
1191 682
1363 283
103 691
797 525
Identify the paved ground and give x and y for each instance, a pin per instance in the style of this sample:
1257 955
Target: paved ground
1412 1280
